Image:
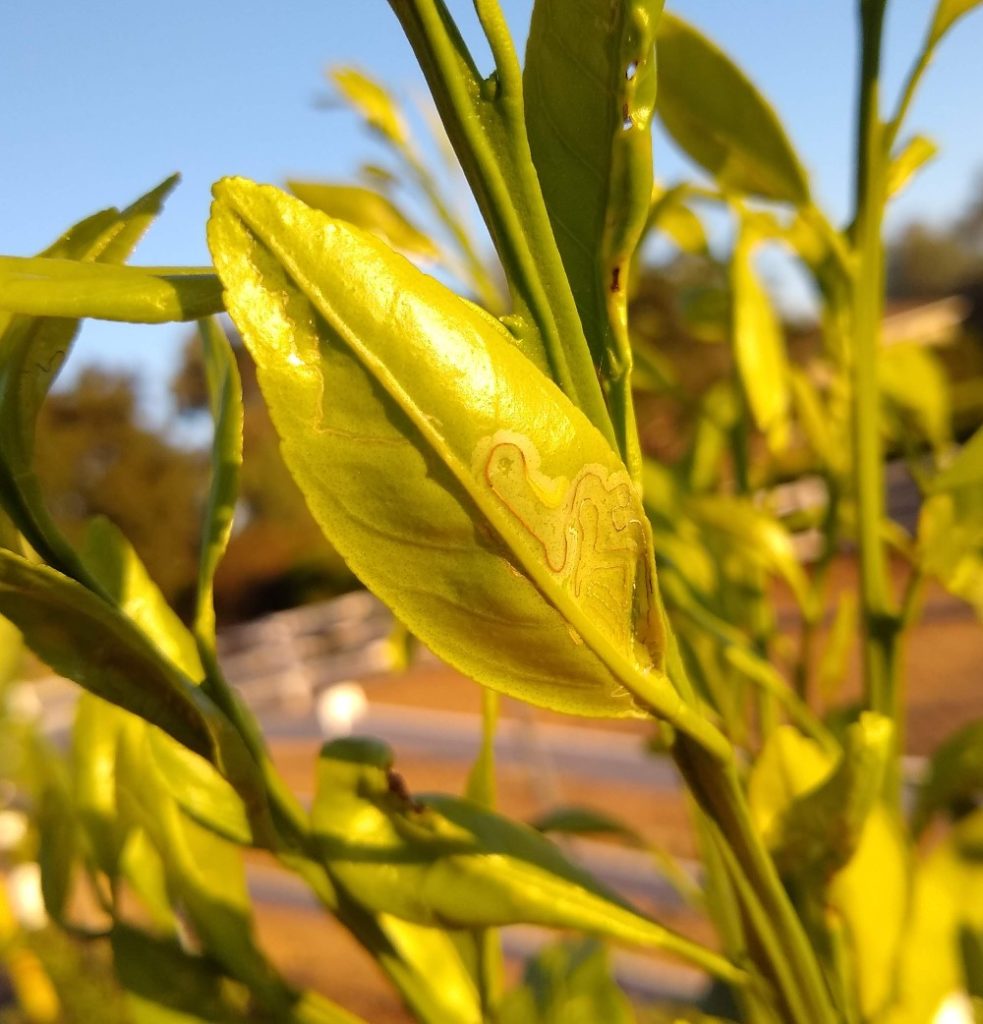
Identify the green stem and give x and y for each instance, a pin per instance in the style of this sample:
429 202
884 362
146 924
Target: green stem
880 618
485 122
788 958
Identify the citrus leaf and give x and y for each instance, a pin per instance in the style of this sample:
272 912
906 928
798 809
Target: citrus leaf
369 210
446 862
759 344
45 287
589 84
444 471
912 156
225 402
717 116
32 351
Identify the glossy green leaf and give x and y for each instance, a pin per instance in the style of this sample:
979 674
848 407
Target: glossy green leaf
947 13
571 983
448 862
910 159
589 82
373 102
32 350
225 402
485 121
954 777
45 287
759 343
718 118
443 470
369 210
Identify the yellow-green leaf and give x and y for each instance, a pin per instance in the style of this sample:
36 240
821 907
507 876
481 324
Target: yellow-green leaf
442 468
717 116
373 102
759 343
910 159
368 209
45 287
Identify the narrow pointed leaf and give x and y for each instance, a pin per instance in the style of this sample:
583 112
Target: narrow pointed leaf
759 345
225 401
373 103
447 862
83 638
485 122
32 351
915 153
589 82
369 210
947 13
716 115
44 287
444 471
193 781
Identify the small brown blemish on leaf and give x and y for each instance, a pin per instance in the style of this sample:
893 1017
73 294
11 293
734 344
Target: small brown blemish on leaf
616 279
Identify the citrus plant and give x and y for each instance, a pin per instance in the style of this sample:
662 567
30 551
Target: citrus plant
478 464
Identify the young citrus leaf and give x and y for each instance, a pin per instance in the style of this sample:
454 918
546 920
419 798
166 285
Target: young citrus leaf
205 873
750 535
946 899
200 790
225 402
759 345
117 568
485 122
372 102
481 779
914 154
85 639
947 13
589 82
459 486
821 830
369 210
789 766
448 862
44 287
95 735
915 389
670 214
568 983
142 867
870 896
718 117
32 350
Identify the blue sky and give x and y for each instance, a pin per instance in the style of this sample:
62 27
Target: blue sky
104 99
